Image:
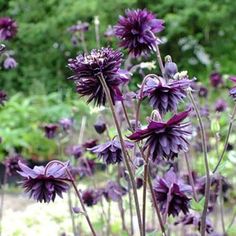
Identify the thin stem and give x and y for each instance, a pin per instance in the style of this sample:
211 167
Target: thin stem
82 129
156 206
96 23
231 222
227 139
221 201
2 198
126 159
131 211
190 174
71 213
158 54
126 114
208 180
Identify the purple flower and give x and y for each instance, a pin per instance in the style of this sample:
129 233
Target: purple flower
91 197
171 194
216 79
202 91
8 28
113 191
195 220
100 126
165 96
79 27
136 31
110 151
44 183
232 91
9 63
50 130
86 167
89 68
139 182
110 32
90 143
170 68
3 97
75 151
66 123
220 105
11 164
165 139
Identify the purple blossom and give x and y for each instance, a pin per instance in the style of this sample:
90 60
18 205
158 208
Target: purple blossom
89 68
111 151
86 167
3 97
100 126
50 130
216 79
66 123
91 197
195 220
11 164
79 27
165 139
110 32
232 91
8 28
136 31
165 96
170 69
9 63
220 105
171 194
202 91
90 143
75 150
44 183
113 191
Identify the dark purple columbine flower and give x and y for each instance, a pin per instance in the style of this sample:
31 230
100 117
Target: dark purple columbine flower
89 68
136 31
171 194
44 183
90 143
76 151
86 167
165 96
100 126
91 197
66 123
79 27
50 130
11 164
3 97
195 220
202 91
216 79
9 63
8 28
113 191
165 139
232 91
110 151
220 105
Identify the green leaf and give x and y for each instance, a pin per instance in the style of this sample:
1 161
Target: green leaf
139 171
198 206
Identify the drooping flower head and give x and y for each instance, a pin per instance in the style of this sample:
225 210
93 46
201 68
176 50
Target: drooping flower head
136 31
66 123
44 183
170 68
100 126
90 143
50 130
11 164
9 63
232 91
113 191
91 197
172 194
165 139
220 105
111 152
202 91
3 97
216 79
88 70
165 96
75 150
8 28
195 220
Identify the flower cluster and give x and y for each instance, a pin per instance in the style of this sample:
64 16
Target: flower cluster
8 28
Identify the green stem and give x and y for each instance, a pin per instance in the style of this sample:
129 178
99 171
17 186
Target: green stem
126 159
208 180
227 139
